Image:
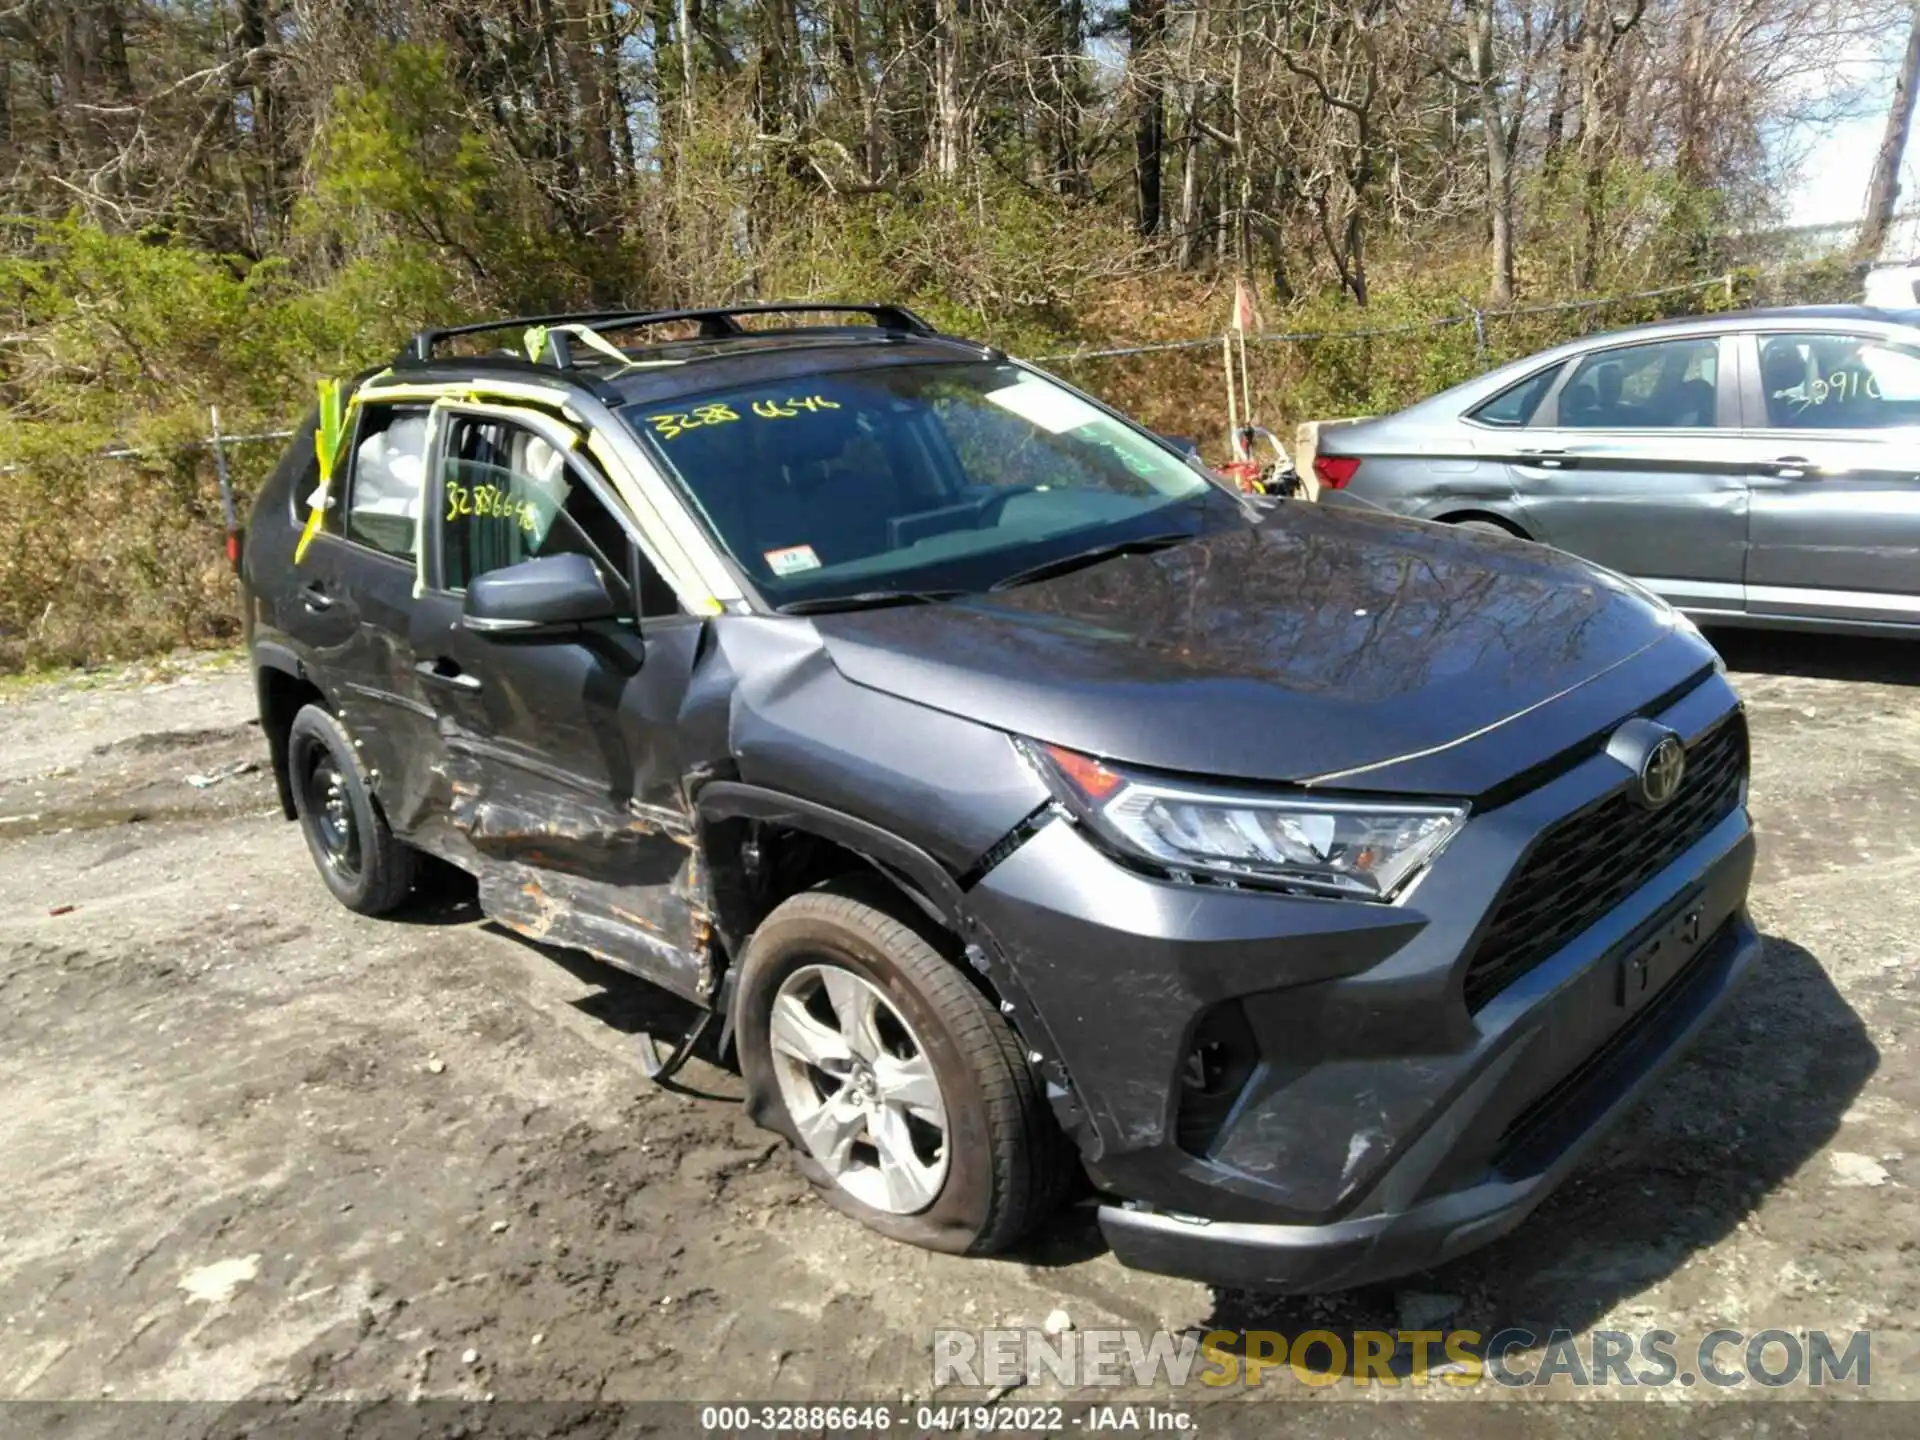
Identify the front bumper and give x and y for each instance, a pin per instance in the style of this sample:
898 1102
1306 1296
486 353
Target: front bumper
1362 1121
1345 1253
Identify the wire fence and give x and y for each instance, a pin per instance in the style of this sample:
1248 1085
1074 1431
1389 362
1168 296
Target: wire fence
1474 316
218 444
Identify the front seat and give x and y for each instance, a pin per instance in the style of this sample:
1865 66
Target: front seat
1580 407
1607 384
1694 404
825 483
1783 378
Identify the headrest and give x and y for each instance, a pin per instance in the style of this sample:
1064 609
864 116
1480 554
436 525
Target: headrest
1782 368
811 437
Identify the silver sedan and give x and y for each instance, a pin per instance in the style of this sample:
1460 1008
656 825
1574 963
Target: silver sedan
1758 468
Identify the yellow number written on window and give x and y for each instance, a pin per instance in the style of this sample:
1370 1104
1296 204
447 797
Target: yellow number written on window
788 408
489 502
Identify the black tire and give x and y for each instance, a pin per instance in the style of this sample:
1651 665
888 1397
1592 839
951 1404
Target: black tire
367 869
1007 1163
1486 527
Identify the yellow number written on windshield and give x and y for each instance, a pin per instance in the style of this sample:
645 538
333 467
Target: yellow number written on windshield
671 424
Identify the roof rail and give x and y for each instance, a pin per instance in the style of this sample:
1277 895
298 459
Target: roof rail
716 322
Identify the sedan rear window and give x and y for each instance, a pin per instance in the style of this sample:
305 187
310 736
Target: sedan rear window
1515 405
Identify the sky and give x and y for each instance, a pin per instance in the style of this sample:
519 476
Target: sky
1829 183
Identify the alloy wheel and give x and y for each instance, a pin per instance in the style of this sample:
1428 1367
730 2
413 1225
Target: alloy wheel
860 1088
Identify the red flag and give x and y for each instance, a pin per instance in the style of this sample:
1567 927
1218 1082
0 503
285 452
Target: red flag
1244 315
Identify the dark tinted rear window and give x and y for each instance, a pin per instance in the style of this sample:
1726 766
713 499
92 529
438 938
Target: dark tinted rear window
1515 404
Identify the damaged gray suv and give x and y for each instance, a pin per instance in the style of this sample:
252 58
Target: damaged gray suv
1013 799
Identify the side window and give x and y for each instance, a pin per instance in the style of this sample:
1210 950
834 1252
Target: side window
1669 385
1514 406
507 495
1838 382
383 489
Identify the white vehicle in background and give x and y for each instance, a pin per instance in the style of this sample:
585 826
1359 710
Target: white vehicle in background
1893 287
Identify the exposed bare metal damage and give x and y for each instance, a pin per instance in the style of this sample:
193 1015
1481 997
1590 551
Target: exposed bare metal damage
658 941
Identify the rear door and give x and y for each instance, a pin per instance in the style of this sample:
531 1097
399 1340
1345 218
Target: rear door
1626 463
1833 448
353 603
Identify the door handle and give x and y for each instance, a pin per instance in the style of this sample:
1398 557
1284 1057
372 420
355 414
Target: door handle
442 671
1790 467
1546 459
314 596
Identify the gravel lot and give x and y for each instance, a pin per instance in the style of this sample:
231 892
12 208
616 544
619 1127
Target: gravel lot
259 1147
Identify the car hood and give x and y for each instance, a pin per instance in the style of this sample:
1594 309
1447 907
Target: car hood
1317 643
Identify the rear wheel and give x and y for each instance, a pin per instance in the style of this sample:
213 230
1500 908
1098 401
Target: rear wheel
907 1096
365 867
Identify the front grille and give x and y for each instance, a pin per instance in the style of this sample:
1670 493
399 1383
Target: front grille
1588 863
1530 1138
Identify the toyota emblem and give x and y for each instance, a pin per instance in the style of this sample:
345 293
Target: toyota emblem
1661 772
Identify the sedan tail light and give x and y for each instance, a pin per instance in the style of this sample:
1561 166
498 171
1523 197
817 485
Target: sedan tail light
1335 470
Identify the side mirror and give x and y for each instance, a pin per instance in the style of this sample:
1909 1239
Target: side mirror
551 593
1185 444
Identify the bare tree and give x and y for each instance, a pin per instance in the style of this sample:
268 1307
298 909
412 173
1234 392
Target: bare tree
1310 140
1499 130
1884 190
1146 24
951 128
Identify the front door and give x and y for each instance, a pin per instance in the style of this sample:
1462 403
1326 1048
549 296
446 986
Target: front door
1833 445
1628 464
562 771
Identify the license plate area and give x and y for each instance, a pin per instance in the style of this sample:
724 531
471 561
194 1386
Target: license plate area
1660 951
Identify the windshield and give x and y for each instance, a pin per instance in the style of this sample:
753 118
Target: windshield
930 477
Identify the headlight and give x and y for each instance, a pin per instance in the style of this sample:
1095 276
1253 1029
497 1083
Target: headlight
1328 847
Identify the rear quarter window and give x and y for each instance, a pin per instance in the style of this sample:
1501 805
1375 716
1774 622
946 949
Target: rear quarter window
297 475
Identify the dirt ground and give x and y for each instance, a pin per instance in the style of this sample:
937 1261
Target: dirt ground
256 1146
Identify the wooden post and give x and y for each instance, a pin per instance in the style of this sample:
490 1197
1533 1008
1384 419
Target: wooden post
1233 402
228 512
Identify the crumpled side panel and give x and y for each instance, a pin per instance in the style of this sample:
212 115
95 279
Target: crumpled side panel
946 783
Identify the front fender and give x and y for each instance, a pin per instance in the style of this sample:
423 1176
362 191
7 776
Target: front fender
940 894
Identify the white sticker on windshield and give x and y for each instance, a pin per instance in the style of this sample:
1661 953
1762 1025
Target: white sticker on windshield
792 560
1048 406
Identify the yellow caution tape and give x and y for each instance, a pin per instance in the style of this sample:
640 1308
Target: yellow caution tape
536 343
328 441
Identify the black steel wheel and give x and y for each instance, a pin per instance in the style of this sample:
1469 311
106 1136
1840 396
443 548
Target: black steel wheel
365 867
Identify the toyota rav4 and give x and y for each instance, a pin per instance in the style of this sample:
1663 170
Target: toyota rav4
1008 795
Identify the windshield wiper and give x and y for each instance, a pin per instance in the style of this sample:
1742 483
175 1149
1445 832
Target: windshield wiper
1080 559
865 600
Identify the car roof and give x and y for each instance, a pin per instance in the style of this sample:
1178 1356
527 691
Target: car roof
723 355
1459 398
1782 317
708 365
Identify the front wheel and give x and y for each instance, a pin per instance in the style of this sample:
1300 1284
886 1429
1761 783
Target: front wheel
908 1097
